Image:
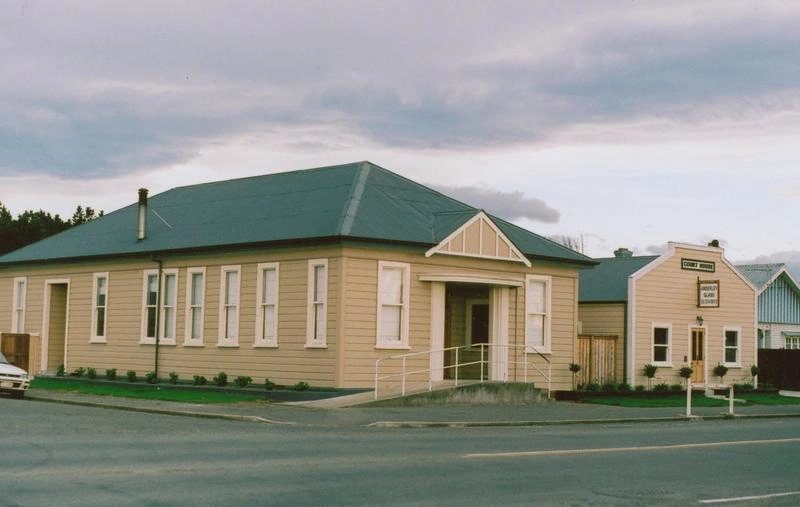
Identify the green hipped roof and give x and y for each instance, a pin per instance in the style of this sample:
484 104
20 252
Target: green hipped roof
359 201
608 281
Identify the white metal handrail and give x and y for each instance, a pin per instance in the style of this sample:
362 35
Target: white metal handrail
483 361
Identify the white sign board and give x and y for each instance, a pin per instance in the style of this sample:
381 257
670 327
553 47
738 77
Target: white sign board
708 293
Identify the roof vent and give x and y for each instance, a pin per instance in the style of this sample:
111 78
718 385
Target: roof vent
622 252
142 214
714 243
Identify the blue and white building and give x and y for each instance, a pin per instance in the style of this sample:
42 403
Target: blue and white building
778 305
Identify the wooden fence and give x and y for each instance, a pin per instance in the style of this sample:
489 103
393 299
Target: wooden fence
17 349
597 357
779 367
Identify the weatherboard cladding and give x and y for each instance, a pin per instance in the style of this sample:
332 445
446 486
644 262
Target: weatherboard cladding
608 281
779 301
356 201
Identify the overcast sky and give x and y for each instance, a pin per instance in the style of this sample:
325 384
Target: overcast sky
629 123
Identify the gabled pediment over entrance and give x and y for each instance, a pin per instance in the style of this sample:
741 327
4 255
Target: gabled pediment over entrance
479 237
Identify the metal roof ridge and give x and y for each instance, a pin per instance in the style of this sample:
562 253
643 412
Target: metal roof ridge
354 200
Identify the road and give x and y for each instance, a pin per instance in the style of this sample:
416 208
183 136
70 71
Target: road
54 455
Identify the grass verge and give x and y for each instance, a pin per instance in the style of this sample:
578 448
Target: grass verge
146 392
697 401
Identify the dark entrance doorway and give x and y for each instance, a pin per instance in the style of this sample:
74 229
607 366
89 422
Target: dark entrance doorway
56 326
467 326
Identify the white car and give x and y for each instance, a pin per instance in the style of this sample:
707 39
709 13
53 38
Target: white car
13 380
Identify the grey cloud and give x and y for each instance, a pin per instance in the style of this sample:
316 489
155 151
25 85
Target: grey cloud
789 257
506 205
655 249
94 87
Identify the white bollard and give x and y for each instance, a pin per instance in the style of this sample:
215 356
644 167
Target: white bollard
688 397
730 400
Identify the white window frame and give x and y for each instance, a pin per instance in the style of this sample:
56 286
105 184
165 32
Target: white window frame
144 339
738 331
188 340
269 339
545 347
168 305
320 339
403 342
791 342
94 336
19 298
160 307
224 305
668 327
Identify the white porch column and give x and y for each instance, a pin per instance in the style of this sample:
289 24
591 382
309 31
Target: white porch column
498 371
437 331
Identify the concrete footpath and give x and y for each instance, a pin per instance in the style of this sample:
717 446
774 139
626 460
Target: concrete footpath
329 415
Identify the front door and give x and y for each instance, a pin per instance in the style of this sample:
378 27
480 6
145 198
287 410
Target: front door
698 356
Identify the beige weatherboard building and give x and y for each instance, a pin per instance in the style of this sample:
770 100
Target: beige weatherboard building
686 307
310 276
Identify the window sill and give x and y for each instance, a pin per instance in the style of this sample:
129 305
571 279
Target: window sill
228 345
170 343
193 345
732 365
534 350
265 345
662 365
316 345
97 340
392 346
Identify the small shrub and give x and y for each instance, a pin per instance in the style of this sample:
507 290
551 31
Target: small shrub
609 386
78 372
131 374
200 380
720 370
301 386
675 387
754 371
661 387
242 381
151 377
60 372
592 387
639 388
221 379
91 373
624 387
686 372
269 385
111 374
649 371
173 378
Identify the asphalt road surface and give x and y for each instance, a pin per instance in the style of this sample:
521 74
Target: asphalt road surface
54 455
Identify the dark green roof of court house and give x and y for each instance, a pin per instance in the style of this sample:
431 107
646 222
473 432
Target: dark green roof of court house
608 281
359 201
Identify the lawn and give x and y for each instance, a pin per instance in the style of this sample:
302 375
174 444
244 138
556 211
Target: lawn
697 400
155 392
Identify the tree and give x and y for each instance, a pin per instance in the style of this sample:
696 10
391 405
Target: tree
32 226
576 243
649 371
82 216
